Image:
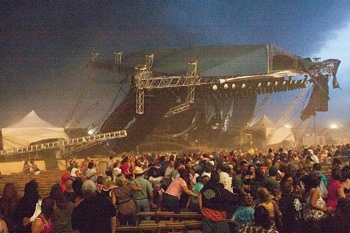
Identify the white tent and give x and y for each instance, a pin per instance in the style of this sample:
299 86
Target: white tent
28 130
274 135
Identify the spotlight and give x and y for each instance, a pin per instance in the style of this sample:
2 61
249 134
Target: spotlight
284 82
215 87
225 86
276 83
233 86
243 86
259 85
268 84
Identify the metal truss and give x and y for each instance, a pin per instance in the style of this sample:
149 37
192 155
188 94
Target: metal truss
59 144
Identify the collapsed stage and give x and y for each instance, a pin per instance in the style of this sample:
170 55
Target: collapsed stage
205 95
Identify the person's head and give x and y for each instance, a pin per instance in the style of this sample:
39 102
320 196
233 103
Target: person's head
99 180
317 167
205 179
48 207
91 165
57 195
224 167
238 169
185 175
288 178
214 177
156 185
121 180
31 191
76 185
138 171
10 192
171 163
286 187
345 173
88 188
69 184
247 200
261 217
336 174
263 195
310 181
273 170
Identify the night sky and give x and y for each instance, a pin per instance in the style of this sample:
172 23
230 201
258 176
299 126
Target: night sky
45 46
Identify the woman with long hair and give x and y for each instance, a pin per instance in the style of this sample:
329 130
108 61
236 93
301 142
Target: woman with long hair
335 189
8 204
27 206
62 222
122 197
44 222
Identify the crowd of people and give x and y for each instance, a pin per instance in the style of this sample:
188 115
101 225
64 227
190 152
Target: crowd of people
235 191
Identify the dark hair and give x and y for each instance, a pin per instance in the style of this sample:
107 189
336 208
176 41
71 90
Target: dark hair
47 207
317 166
185 175
31 191
336 174
57 195
310 181
261 217
214 177
345 172
225 167
76 185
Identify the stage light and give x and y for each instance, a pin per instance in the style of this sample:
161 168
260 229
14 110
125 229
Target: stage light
225 86
284 82
215 87
233 86
276 83
259 85
243 86
268 84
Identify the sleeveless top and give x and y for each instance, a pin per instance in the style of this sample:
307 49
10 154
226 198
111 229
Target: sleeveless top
313 214
47 226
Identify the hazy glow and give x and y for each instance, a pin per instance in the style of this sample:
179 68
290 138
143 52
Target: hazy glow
334 126
289 126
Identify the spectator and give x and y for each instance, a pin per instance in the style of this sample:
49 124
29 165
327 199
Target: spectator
144 196
34 168
315 206
335 189
26 167
44 222
262 222
90 173
346 180
339 222
157 195
69 193
291 209
173 194
122 197
244 214
110 167
76 173
193 204
95 214
264 199
28 208
213 201
3 225
62 212
8 204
